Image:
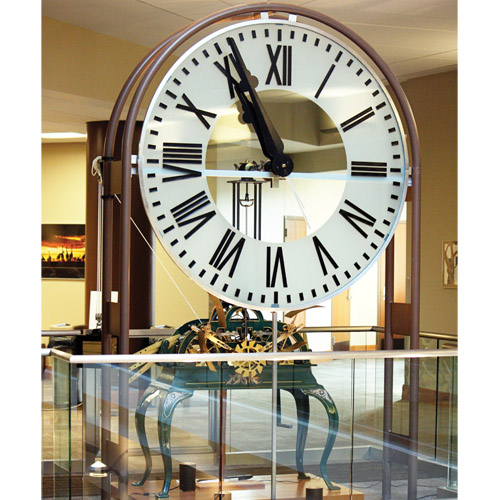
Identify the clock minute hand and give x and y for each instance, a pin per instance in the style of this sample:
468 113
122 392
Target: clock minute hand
271 143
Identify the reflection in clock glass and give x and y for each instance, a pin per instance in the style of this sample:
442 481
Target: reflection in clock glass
313 142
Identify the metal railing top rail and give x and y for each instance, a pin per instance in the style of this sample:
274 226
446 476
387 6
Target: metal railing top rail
161 332
317 357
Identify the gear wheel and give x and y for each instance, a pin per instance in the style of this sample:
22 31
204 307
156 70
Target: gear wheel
252 368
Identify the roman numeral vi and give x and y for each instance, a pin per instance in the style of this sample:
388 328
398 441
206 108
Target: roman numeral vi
272 269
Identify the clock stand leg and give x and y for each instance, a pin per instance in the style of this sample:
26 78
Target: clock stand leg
302 404
173 398
333 424
140 426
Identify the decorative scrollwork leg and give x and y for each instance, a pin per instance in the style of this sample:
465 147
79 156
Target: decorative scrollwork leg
302 404
174 397
333 424
140 426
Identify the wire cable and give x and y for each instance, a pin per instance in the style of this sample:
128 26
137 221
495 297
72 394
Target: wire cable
163 266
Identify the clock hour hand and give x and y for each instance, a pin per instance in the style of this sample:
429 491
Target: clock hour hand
271 143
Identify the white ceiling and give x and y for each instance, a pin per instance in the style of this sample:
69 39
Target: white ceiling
414 37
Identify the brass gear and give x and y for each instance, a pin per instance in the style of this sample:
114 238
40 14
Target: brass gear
252 368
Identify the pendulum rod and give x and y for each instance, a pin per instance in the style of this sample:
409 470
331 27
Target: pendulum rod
274 412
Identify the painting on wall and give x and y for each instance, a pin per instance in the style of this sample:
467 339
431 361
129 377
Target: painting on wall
63 251
450 264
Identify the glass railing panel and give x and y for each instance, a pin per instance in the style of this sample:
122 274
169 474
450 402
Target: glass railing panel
452 459
313 424
47 425
380 473
174 415
161 424
57 427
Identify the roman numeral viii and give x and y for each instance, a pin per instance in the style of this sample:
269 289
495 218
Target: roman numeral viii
223 253
181 153
275 267
358 215
281 64
187 213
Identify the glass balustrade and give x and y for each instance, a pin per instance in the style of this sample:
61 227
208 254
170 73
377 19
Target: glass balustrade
251 425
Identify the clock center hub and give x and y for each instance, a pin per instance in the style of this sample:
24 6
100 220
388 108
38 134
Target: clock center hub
281 165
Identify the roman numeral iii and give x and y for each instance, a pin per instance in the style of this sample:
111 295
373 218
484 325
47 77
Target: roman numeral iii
369 168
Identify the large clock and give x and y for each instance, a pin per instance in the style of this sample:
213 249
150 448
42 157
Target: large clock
324 143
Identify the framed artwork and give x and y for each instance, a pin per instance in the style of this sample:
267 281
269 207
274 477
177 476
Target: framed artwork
63 251
450 264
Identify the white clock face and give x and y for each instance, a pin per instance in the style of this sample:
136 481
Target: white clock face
337 125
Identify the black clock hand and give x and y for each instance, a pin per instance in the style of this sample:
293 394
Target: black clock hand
271 143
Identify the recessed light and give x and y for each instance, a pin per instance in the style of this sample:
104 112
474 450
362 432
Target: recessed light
63 135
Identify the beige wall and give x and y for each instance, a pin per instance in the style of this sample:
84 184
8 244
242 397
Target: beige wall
63 202
434 102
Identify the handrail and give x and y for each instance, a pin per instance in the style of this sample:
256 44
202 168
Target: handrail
321 356
160 332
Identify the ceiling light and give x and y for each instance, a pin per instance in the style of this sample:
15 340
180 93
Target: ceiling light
63 135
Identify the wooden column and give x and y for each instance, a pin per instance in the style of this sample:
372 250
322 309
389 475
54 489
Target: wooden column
142 263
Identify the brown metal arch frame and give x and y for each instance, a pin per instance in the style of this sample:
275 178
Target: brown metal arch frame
148 68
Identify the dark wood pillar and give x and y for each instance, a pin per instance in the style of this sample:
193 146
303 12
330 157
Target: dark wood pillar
142 259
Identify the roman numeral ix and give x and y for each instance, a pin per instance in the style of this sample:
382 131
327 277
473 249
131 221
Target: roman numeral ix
181 153
223 254
184 213
359 216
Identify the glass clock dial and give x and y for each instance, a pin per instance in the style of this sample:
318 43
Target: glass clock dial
284 111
